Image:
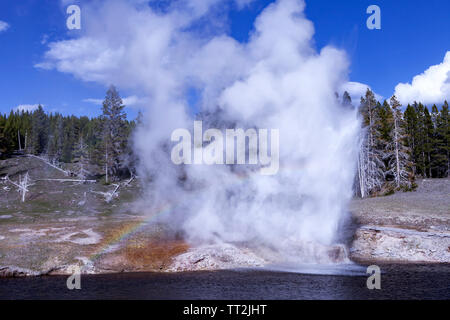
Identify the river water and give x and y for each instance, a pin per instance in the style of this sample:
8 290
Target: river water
397 282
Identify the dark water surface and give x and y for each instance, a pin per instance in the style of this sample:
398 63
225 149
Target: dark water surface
397 282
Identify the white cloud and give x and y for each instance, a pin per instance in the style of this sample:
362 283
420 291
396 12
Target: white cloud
44 39
243 3
356 91
97 102
432 86
26 107
3 26
130 101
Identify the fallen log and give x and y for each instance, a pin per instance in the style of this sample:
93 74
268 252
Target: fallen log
48 163
67 180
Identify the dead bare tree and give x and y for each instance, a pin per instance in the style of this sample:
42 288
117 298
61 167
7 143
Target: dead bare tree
18 137
68 180
131 179
110 195
106 164
370 173
81 158
399 164
22 185
48 163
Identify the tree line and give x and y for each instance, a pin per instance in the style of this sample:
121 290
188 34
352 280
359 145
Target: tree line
103 141
397 146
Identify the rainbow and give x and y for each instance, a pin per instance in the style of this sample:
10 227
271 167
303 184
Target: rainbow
130 230
125 233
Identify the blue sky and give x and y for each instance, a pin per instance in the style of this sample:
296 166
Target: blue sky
414 36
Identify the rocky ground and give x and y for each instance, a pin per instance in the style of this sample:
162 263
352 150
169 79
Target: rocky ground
64 224
404 227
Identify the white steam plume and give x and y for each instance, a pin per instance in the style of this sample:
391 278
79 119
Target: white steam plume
275 81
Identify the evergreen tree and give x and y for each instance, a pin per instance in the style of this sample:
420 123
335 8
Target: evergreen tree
94 136
383 127
420 137
3 141
411 128
114 130
10 132
429 140
56 139
69 140
434 165
72 139
347 100
442 145
39 131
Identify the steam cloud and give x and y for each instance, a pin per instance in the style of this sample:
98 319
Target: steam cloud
276 80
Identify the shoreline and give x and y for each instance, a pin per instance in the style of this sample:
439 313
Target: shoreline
10 272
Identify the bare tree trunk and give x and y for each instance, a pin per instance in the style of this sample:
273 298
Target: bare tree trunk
397 159
361 177
429 163
110 195
50 164
68 180
413 154
24 186
18 137
106 164
424 173
448 163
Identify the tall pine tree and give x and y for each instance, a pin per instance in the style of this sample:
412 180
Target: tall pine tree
114 133
39 134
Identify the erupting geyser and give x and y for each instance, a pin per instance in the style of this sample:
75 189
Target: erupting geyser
275 81
182 55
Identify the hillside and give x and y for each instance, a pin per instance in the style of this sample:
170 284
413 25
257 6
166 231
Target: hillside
50 194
